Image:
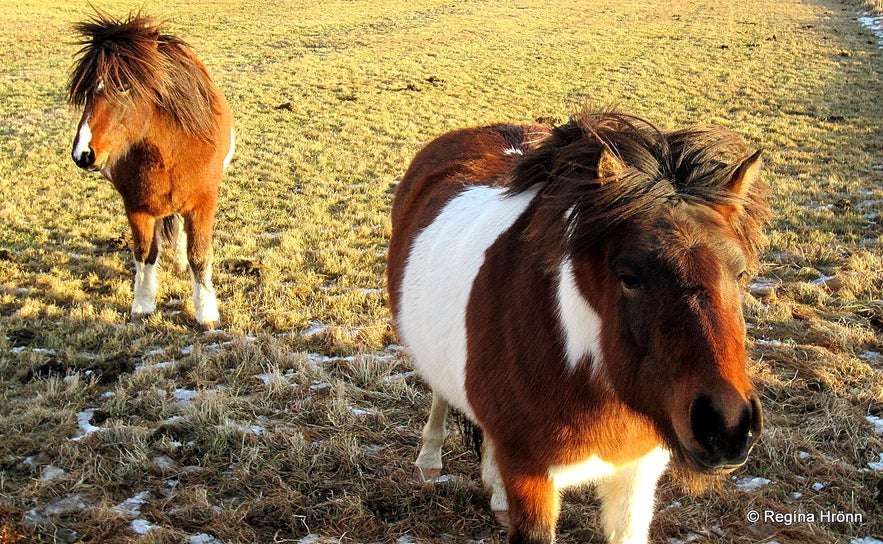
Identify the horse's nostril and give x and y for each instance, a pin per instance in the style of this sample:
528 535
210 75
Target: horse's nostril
726 441
85 159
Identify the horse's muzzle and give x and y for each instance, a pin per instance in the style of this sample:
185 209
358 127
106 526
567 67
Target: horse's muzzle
725 439
84 159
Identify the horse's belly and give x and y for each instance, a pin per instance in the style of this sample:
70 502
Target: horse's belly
443 262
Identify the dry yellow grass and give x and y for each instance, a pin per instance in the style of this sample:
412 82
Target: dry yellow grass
301 416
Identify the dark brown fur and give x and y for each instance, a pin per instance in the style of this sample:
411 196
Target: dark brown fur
659 226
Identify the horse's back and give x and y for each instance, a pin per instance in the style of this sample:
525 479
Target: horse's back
471 156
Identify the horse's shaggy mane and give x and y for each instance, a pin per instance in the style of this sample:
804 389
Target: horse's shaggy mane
694 165
132 60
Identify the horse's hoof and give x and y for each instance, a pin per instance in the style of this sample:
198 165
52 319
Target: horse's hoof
209 326
423 475
138 318
502 517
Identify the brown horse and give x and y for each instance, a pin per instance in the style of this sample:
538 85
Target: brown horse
575 292
159 129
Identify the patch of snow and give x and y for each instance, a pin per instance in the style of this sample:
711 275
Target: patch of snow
84 420
874 24
750 484
877 422
141 526
203 538
877 465
822 280
132 507
68 504
796 495
187 350
396 377
18 349
690 538
870 356
51 473
316 327
818 486
768 342
865 540
803 455
164 462
363 412
318 386
185 395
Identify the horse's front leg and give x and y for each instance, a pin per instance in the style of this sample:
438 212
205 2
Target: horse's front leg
627 498
534 506
145 250
429 462
493 482
199 225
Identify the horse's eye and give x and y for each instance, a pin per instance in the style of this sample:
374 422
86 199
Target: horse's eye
630 282
741 276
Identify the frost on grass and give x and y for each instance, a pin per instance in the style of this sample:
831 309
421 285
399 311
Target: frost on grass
84 420
750 484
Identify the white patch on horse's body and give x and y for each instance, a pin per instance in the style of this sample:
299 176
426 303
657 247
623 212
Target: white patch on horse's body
580 323
442 264
628 498
592 468
84 139
229 156
145 289
205 303
512 151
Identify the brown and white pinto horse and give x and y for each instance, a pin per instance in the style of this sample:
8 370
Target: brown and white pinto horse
159 129
575 292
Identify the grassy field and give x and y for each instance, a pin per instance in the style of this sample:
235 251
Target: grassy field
301 416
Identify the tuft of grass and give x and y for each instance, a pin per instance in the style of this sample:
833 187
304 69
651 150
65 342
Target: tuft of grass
302 416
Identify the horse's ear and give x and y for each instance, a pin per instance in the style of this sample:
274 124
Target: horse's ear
609 165
746 175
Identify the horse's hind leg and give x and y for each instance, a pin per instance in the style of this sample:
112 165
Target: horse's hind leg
493 482
199 225
179 244
429 463
627 498
145 250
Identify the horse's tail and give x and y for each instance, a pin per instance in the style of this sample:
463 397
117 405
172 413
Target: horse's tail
469 431
170 226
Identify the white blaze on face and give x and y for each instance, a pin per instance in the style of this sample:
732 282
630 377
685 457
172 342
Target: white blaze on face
83 140
442 265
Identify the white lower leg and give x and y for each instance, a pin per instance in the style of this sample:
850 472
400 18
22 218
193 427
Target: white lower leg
180 245
429 462
145 289
204 301
493 482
